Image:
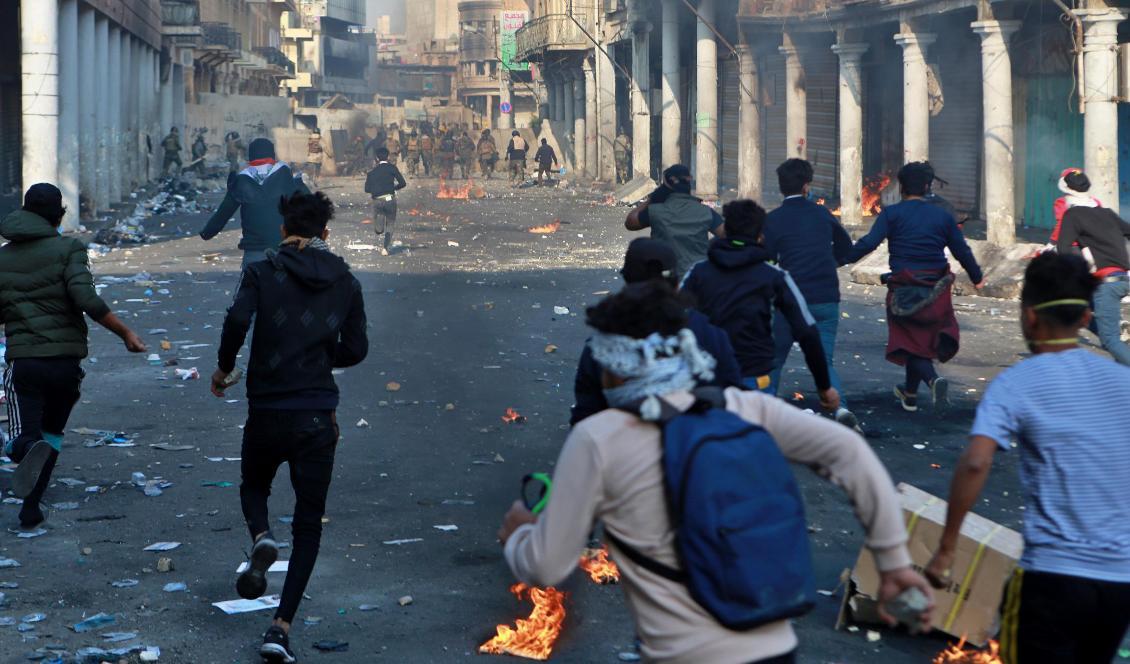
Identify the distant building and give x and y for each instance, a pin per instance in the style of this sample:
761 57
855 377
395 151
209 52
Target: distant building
496 85
332 49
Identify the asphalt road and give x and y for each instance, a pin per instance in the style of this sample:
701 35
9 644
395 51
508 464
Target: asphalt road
461 319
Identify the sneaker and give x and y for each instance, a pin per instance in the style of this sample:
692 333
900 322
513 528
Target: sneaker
939 389
909 401
276 647
848 419
382 251
31 515
252 583
31 465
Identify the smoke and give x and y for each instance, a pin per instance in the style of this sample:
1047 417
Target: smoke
393 8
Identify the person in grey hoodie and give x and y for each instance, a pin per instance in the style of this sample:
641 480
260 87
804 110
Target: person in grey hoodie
255 192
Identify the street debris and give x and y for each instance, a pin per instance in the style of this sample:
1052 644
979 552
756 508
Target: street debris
8 562
277 566
362 423
175 587
512 416
547 229
234 606
405 601
164 565
125 583
399 542
93 622
162 546
331 646
447 528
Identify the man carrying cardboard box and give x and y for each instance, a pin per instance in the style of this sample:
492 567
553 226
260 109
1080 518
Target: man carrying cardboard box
1069 411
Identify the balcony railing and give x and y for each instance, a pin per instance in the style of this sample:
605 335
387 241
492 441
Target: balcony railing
180 12
275 57
552 32
222 35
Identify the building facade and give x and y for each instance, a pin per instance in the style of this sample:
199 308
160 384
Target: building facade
495 84
333 51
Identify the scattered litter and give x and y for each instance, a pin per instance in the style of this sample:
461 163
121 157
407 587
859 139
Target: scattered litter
8 562
234 606
175 587
447 528
70 481
513 416
561 311
919 446
369 607
550 348
94 622
362 423
118 637
452 243
63 507
164 565
187 374
398 542
125 583
28 534
331 646
872 635
162 546
452 501
405 601
33 618
277 566
311 620
172 447
628 656
393 386
221 484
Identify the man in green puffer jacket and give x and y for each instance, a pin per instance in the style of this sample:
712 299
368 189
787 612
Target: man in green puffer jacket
45 288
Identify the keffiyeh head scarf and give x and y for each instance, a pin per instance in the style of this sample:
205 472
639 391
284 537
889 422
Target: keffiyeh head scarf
1072 197
651 367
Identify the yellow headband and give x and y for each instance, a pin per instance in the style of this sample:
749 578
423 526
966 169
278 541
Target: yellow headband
1057 303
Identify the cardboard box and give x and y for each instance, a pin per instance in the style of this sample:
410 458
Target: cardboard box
984 560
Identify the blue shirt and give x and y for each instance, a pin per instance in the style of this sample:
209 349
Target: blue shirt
1069 413
917 234
808 243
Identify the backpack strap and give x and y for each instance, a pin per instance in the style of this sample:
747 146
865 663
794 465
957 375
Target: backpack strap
650 564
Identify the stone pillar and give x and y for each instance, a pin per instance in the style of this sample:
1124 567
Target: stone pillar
606 115
39 102
1100 122
999 168
851 132
113 163
641 101
69 102
672 86
550 84
88 108
749 125
706 106
796 102
145 111
505 120
915 95
563 98
166 115
102 118
128 98
592 156
577 115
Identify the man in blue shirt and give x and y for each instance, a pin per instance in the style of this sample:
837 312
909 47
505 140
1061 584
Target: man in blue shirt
1069 601
808 243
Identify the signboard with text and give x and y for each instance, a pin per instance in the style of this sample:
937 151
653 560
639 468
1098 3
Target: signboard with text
509 22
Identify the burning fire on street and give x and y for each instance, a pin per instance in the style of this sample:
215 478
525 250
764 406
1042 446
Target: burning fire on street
532 637
600 569
871 198
551 227
511 416
957 654
447 193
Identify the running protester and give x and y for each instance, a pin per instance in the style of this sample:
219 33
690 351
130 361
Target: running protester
1102 234
382 184
677 218
648 259
309 319
45 288
1069 599
808 243
1074 184
255 192
738 289
611 469
921 324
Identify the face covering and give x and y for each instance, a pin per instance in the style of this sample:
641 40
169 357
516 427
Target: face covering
650 367
1032 344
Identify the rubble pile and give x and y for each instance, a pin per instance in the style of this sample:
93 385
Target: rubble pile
177 196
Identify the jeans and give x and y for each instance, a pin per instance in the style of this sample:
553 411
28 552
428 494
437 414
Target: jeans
306 440
1107 323
827 317
252 256
919 370
384 220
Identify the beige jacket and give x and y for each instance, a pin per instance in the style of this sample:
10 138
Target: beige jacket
609 470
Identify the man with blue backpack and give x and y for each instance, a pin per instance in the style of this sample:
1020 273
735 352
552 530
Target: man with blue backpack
696 495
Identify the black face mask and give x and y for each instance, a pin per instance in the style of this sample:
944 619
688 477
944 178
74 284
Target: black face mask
680 186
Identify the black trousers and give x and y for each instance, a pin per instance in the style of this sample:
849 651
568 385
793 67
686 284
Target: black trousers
1054 618
306 440
384 220
787 658
41 392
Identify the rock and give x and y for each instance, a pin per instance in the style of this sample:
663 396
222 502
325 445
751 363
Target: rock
165 565
404 601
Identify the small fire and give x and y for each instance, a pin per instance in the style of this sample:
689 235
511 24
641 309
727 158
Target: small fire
957 654
462 193
871 197
547 229
534 637
599 568
837 212
512 416
820 201
797 396
609 200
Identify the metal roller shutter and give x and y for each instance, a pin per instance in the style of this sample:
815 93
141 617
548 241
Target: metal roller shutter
823 82
955 133
730 94
10 138
773 125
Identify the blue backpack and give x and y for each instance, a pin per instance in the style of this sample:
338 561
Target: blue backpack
738 516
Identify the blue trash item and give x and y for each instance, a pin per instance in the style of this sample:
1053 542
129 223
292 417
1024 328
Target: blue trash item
738 516
94 622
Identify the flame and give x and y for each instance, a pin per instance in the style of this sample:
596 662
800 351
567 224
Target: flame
871 197
462 193
600 569
797 396
820 201
957 654
534 637
547 229
609 200
513 416
837 212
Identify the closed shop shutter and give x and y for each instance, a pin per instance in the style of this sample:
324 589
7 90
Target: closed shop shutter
955 133
730 96
773 125
10 172
822 74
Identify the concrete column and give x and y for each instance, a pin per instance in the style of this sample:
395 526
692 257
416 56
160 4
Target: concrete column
102 118
145 110
796 102
39 102
561 99
672 112
641 101
999 169
88 107
706 105
549 111
505 120
749 125
1100 122
606 115
915 95
128 98
851 132
166 114
592 156
577 115
180 113
69 101
113 163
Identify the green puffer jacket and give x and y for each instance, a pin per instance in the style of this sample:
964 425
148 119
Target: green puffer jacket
45 287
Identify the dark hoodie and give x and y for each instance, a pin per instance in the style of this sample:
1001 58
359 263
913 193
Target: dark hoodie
45 287
255 192
309 319
737 288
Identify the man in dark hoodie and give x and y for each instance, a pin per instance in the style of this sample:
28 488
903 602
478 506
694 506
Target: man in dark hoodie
739 289
255 192
45 288
645 260
677 218
309 319
382 184
545 158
